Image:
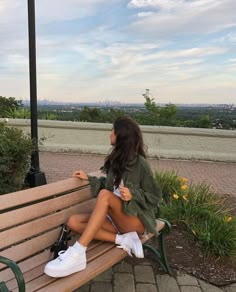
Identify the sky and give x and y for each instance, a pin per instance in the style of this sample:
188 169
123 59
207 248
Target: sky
184 51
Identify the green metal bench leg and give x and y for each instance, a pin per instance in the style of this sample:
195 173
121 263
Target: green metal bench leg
161 253
17 272
3 287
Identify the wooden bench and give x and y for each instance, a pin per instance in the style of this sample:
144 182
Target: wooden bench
30 222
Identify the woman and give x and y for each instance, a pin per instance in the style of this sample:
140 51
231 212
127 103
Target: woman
126 201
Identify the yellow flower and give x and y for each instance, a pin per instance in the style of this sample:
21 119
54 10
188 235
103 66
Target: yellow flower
175 196
184 187
185 197
228 219
184 180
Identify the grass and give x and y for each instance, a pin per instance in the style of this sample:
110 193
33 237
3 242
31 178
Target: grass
201 210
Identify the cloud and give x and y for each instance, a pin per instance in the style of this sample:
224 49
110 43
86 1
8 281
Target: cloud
99 49
182 17
58 10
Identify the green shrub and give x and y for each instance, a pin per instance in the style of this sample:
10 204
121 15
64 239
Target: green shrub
169 182
15 154
202 212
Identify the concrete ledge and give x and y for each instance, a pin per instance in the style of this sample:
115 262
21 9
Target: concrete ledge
162 142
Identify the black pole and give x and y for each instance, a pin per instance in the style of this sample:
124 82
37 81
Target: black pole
35 177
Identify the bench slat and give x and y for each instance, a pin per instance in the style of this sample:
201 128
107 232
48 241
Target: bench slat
31 212
94 268
32 277
26 196
30 247
19 233
34 261
76 280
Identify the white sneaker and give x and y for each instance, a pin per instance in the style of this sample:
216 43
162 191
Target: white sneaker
68 262
132 244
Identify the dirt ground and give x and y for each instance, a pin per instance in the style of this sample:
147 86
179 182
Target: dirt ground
186 256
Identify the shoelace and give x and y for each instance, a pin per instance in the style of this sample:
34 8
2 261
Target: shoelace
60 253
64 253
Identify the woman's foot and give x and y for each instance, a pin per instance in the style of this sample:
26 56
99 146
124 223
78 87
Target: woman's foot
68 262
131 243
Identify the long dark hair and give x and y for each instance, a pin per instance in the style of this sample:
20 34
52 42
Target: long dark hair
129 143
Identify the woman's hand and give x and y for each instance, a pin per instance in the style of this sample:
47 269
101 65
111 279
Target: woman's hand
125 193
80 174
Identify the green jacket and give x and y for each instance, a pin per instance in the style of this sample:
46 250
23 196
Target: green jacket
145 192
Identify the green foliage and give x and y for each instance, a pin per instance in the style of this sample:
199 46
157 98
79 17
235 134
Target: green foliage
21 113
220 117
90 115
169 183
168 115
96 115
164 116
202 212
8 106
48 116
15 153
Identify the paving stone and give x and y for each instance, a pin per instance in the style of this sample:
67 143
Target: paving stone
106 276
84 288
187 280
123 282
123 267
206 287
101 287
190 289
144 274
230 288
166 283
146 288
144 262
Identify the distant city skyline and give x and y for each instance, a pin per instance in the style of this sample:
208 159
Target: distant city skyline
184 51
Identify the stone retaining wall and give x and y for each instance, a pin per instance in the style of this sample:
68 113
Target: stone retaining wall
162 142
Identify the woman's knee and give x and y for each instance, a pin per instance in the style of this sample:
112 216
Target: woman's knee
73 222
104 196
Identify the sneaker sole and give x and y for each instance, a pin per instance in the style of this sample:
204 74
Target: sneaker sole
60 274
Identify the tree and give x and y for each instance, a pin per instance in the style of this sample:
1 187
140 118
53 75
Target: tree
152 108
156 115
90 115
204 122
8 106
168 115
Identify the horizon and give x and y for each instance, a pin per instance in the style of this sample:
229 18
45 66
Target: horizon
118 103
98 50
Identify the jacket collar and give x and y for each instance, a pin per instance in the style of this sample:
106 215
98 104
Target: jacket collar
130 163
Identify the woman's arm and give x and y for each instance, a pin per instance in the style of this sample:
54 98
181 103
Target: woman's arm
96 183
148 194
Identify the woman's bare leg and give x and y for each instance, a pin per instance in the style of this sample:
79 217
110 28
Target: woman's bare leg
79 222
107 203
74 258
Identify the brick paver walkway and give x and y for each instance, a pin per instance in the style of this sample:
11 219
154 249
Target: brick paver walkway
221 176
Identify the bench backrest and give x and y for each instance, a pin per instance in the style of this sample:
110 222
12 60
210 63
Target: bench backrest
30 220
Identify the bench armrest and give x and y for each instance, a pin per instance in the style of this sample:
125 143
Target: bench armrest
167 227
17 272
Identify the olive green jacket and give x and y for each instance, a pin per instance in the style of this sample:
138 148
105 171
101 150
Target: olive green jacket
143 187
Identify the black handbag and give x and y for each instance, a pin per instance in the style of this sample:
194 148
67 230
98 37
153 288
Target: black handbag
62 242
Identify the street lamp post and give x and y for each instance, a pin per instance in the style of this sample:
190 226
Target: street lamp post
35 177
